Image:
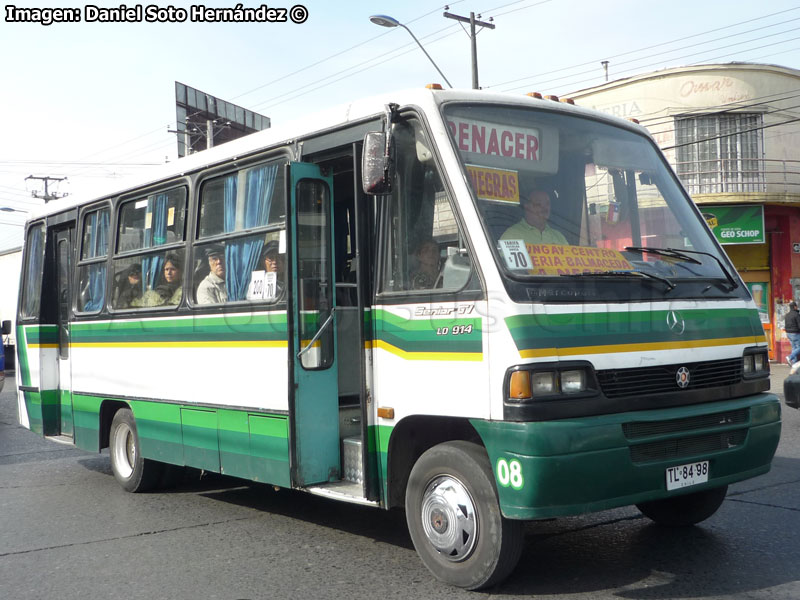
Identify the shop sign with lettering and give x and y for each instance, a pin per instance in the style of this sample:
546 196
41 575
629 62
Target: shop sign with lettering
736 224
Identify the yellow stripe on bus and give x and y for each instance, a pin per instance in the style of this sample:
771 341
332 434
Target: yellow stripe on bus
51 346
451 356
540 352
207 344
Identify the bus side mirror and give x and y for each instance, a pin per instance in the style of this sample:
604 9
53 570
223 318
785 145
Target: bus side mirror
376 164
6 328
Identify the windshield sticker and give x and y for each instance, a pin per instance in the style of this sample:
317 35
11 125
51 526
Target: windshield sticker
263 285
499 185
552 259
515 254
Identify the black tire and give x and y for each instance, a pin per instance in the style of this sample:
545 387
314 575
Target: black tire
134 473
686 510
468 542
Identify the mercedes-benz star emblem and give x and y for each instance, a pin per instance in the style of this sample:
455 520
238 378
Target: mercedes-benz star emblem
682 377
675 322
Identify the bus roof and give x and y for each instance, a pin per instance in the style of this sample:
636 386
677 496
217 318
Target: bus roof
334 117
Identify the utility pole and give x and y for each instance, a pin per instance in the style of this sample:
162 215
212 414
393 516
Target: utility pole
212 128
472 23
47 195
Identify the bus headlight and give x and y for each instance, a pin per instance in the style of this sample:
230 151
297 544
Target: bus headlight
544 383
573 381
549 381
755 363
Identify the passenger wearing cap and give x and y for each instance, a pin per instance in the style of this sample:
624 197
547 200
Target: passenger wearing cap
272 262
212 289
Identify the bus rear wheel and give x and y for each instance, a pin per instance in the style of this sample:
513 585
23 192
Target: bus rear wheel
132 471
686 510
454 517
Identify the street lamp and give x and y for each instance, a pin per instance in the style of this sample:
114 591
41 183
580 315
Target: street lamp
387 21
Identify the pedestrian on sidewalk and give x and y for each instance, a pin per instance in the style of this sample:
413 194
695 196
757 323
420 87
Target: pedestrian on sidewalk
792 328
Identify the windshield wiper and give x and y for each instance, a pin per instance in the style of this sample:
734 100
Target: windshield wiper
671 252
728 276
640 274
682 255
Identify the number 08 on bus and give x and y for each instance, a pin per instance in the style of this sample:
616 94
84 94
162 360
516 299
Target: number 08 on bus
481 308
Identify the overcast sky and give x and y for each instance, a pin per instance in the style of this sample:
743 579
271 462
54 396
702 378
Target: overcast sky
93 101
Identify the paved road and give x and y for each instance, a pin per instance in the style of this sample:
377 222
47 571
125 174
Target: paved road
67 530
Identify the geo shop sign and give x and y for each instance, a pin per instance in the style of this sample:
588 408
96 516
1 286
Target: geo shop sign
736 224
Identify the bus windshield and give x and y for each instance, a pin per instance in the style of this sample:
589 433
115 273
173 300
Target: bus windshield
570 199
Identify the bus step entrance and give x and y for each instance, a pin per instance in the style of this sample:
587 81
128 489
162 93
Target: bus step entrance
351 458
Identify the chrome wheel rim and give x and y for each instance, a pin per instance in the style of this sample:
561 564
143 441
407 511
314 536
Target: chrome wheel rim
449 519
124 451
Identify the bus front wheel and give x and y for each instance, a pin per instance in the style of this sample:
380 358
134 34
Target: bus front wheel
686 510
454 517
134 473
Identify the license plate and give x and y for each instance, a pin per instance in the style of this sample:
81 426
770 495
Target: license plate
685 475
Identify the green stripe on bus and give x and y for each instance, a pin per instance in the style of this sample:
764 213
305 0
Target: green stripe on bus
271 327
231 441
22 356
574 330
429 334
41 334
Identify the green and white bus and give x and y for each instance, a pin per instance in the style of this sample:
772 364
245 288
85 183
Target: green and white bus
351 306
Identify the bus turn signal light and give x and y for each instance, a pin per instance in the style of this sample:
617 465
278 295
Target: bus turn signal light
434 86
519 388
385 412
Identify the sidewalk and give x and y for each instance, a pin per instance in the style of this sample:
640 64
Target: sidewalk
777 373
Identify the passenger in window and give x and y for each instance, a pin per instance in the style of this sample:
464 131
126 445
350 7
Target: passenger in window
130 287
170 288
426 271
212 289
533 227
273 262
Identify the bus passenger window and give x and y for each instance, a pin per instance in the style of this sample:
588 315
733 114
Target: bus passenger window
92 266
425 248
149 262
229 255
34 266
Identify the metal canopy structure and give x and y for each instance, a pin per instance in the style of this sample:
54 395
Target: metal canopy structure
204 121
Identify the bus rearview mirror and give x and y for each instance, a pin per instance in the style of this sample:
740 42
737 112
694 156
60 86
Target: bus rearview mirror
376 164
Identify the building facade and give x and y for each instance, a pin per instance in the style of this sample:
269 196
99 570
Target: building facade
732 133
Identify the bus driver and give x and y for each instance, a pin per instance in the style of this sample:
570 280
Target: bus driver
533 227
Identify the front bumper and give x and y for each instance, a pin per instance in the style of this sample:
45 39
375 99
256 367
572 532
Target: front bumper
572 466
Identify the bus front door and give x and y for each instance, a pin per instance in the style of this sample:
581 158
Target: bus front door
315 409
64 239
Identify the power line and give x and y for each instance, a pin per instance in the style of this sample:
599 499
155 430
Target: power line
332 56
724 135
714 114
595 62
659 62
